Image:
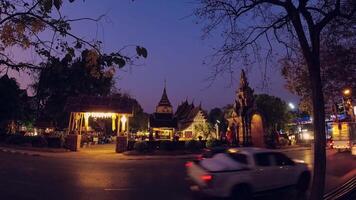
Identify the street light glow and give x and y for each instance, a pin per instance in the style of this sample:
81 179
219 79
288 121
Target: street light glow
291 105
347 92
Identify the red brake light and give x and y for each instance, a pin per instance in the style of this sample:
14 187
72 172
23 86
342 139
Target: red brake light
206 178
188 164
200 157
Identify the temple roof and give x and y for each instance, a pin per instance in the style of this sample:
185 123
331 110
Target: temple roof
164 99
186 112
160 120
85 103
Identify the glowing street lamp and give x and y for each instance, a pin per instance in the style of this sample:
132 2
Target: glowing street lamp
346 92
291 105
217 128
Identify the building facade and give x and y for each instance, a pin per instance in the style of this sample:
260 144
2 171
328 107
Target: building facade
188 122
192 122
162 124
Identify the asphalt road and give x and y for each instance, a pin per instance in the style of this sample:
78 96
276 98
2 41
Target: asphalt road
107 177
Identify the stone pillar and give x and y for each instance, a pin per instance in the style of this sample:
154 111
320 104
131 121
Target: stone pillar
73 142
121 144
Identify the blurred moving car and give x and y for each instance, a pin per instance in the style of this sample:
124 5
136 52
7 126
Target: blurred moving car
244 172
210 152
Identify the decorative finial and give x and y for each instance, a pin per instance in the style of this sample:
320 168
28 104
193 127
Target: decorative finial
165 83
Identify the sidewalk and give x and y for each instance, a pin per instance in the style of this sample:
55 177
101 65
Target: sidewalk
95 152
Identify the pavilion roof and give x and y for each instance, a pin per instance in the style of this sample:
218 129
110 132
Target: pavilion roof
114 104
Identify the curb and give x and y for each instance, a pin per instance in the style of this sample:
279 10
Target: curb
160 158
19 152
26 153
294 149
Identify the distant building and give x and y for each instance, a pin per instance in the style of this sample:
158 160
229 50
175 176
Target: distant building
162 124
192 121
188 122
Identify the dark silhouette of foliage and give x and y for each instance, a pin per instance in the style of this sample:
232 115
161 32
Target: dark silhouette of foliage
64 78
14 102
215 115
250 28
23 23
274 109
338 71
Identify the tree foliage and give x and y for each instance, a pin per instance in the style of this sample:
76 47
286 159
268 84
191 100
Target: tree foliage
60 79
139 121
13 102
205 130
40 25
217 116
274 109
250 27
338 70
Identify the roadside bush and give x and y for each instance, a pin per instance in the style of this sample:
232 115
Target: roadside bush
213 143
55 142
3 137
283 142
39 141
166 145
193 145
141 146
17 139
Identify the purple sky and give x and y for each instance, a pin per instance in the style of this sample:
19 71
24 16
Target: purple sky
176 52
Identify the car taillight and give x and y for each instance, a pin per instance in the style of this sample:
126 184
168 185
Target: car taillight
207 178
188 164
200 157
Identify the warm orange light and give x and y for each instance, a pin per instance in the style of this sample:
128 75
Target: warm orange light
347 91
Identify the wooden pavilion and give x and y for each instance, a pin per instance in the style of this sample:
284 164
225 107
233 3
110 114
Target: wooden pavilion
81 108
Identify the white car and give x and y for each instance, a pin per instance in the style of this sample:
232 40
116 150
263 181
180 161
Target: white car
243 172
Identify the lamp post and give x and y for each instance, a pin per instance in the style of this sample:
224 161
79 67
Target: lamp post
347 102
217 129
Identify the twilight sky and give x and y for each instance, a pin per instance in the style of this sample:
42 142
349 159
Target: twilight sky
176 52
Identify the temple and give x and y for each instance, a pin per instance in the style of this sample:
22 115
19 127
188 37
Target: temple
188 122
192 121
246 122
162 124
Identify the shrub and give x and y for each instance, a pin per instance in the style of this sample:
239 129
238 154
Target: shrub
17 139
193 145
213 143
141 146
168 145
39 141
3 136
283 141
55 142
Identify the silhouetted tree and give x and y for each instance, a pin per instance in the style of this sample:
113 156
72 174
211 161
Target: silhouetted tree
13 102
338 70
60 79
274 109
27 24
296 24
215 115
